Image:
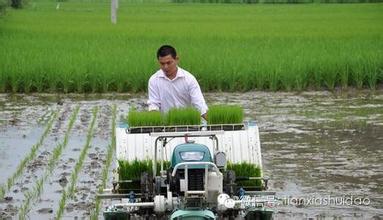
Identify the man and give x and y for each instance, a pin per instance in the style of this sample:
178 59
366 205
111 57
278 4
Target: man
172 86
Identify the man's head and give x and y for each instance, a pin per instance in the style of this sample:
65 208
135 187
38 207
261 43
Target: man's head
168 60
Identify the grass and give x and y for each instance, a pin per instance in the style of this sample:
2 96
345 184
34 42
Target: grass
228 47
225 114
32 154
105 170
35 192
246 170
69 191
183 116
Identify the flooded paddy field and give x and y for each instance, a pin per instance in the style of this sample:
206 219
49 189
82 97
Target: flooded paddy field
54 148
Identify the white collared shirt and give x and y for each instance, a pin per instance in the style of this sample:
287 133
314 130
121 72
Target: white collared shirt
182 91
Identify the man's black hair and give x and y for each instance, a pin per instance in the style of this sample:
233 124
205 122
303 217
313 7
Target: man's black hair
165 50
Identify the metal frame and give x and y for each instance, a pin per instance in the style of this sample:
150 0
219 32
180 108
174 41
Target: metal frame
186 164
162 136
185 128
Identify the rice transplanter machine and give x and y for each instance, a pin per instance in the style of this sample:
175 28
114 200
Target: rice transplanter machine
190 177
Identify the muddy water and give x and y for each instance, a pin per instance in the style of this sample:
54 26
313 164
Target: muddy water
315 145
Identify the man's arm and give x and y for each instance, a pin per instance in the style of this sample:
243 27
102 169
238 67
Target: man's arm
154 102
197 98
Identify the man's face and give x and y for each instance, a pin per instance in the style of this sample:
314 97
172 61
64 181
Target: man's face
168 64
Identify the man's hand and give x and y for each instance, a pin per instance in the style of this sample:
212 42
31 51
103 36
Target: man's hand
204 116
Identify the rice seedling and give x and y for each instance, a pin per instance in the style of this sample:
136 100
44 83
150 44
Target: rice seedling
373 74
69 191
32 194
344 77
132 170
330 80
175 116
246 170
358 76
30 156
279 47
225 114
145 118
62 204
128 170
105 170
183 116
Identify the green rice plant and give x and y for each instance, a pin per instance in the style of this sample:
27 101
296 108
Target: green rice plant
69 191
3 7
15 84
372 77
287 82
260 77
344 77
61 204
145 118
3 83
245 169
128 170
105 170
183 116
175 116
357 73
330 77
32 194
225 114
31 155
132 170
274 78
39 84
300 80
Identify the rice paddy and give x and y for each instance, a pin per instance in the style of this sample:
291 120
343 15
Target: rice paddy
105 170
237 47
32 195
341 127
64 163
71 47
69 191
32 154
